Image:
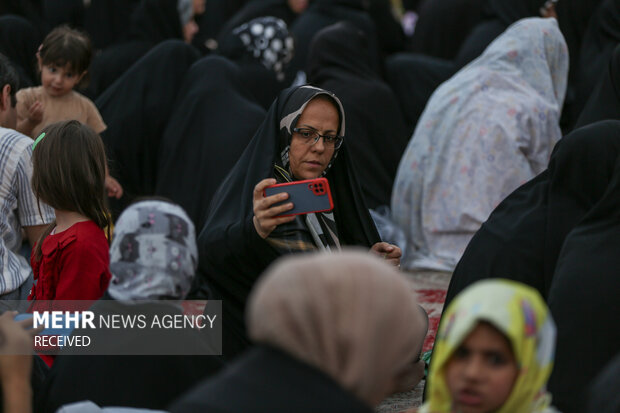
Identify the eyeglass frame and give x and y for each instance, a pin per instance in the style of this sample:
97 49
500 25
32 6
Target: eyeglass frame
337 144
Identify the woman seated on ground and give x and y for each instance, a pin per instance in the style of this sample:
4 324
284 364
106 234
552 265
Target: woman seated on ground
153 260
334 333
493 352
484 132
300 138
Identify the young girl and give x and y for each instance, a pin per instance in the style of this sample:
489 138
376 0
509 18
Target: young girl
494 352
71 259
64 58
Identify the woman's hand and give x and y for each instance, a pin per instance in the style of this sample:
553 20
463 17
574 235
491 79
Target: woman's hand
113 188
265 220
388 251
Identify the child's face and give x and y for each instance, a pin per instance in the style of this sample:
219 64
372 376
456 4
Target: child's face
58 81
481 372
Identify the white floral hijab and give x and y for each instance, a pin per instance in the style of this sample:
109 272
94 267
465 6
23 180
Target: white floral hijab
542 64
153 254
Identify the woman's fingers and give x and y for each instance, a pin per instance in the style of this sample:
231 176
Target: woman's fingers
260 187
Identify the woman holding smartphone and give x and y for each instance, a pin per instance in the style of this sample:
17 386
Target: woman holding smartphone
302 137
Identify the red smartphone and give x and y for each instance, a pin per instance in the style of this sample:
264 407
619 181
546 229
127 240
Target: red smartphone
310 195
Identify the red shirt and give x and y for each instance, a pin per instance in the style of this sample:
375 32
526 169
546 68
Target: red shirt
75 265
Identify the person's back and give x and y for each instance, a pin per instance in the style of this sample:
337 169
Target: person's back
71 257
128 366
486 131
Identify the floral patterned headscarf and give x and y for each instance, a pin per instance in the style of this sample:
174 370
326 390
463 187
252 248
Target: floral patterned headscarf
521 315
153 254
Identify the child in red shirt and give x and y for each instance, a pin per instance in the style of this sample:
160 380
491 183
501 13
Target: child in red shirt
71 259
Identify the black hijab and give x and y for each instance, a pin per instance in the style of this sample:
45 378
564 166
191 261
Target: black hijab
497 16
211 22
604 102
70 12
19 42
232 254
155 21
509 11
321 14
266 379
149 381
107 21
583 298
443 25
136 109
31 10
259 8
523 236
340 61
205 136
600 40
414 78
388 30
152 22
604 395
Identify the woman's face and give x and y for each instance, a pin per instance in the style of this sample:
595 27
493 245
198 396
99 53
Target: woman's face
309 161
482 371
297 6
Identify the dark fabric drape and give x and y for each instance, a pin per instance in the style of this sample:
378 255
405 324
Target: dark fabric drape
584 295
604 396
19 42
213 121
497 16
599 42
264 59
604 102
155 21
268 380
211 22
108 21
69 12
129 381
31 10
443 25
339 61
110 64
152 22
321 14
259 8
414 78
136 109
232 255
522 238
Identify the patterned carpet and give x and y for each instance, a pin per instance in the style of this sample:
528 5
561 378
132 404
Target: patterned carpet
430 287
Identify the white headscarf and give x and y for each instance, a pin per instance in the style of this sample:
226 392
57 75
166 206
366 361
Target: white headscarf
484 132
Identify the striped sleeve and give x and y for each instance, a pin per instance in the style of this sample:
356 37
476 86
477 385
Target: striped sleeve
30 213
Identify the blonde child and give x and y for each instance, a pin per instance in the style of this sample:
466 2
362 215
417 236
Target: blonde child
63 58
493 353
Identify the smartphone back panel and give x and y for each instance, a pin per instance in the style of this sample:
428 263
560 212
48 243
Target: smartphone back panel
311 195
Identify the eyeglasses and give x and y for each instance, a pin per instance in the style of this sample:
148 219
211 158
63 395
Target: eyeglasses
310 137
